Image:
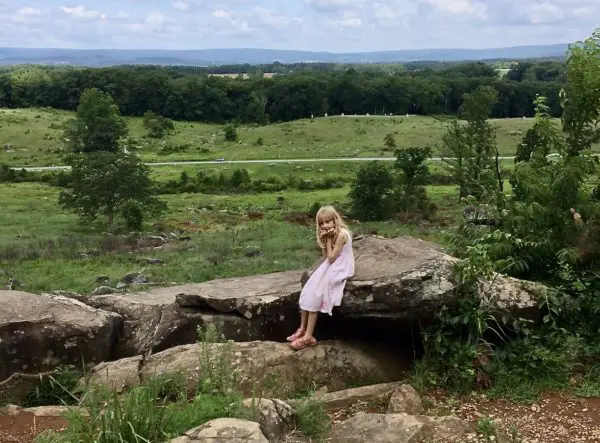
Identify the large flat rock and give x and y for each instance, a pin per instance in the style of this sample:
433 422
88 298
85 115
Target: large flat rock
404 280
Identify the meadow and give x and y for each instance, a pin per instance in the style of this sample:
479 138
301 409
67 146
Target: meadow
211 236
33 137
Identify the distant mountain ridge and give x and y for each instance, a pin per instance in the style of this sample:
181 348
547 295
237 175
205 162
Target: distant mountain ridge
210 57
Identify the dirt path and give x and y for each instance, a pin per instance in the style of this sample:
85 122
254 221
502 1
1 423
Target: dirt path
555 418
24 426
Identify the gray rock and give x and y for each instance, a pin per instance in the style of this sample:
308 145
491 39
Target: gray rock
398 428
276 418
102 290
334 364
230 430
405 399
117 375
41 332
347 397
154 321
135 278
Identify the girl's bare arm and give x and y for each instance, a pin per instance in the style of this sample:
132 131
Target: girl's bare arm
333 251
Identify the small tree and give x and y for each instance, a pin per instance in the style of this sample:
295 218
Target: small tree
157 125
370 192
389 141
230 133
540 139
412 195
98 125
104 182
104 179
470 152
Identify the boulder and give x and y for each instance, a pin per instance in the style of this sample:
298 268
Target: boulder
405 399
275 417
41 332
347 397
230 430
398 428
274 368
117 375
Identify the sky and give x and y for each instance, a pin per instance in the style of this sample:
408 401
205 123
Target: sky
314 25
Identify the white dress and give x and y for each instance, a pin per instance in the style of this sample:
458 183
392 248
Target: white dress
325 287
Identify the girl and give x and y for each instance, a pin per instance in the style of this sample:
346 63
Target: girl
325 287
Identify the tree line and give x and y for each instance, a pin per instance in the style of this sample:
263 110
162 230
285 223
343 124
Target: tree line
184 93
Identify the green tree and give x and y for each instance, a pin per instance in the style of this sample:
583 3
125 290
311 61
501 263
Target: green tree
98 125
370 192
470 151
230 133
581 96
157 125
105 179
389 141
105 182
542 138
412 195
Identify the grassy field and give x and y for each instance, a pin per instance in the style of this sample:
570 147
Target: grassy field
46 249
33 137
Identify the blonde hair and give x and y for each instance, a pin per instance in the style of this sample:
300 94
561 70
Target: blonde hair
329 212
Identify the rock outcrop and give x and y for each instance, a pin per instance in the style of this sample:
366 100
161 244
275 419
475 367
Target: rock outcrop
398 281
273 367
40 332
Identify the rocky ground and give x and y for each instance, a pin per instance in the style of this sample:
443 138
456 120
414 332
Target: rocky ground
555 418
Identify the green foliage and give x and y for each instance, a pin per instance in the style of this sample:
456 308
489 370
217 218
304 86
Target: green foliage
147 413
103 182
98 126
411 197
55 389
370 192
312 419
580 97
542 139
216 363
470 152
133 213
157 125
389 141
230 133
486 428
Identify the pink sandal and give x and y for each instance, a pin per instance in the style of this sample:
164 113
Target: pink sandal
296 335
301 343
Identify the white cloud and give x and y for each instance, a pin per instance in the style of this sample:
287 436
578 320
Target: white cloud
26 15
348 20
154 22
221 13
81 13
181 5
266 17
460 7
542 13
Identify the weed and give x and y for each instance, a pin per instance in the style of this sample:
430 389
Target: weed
312 419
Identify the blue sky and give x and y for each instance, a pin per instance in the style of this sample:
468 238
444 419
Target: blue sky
317 25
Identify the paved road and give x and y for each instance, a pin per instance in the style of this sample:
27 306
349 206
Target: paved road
230 162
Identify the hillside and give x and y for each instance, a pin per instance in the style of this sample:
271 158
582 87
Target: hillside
206 57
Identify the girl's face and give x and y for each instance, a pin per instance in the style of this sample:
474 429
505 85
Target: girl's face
326 223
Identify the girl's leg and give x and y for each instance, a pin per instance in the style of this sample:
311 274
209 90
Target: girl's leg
302 329
310 326
303 319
